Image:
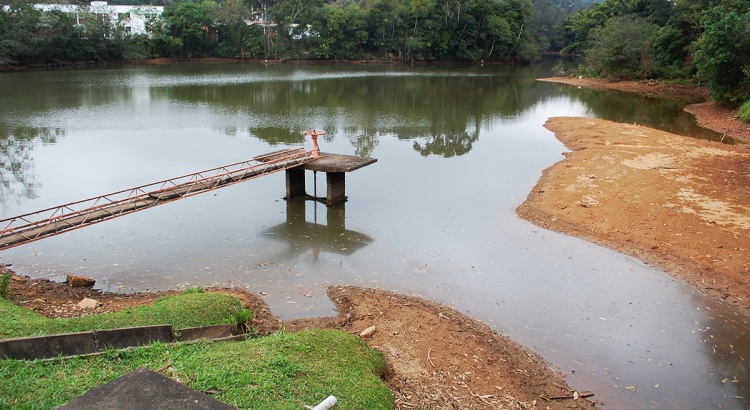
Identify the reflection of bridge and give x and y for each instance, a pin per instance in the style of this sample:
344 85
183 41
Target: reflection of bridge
301 235
37 225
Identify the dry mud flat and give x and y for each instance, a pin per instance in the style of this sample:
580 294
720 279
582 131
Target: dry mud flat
679 203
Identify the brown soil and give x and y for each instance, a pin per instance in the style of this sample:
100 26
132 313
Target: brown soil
720 119
679 203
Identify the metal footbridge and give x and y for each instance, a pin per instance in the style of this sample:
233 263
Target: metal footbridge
33 226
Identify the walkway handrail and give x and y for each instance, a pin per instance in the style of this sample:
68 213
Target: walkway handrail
33 226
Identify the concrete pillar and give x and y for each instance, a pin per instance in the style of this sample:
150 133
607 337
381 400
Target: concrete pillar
295 183
336 182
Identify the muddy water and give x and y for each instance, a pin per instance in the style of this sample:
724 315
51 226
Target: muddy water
458 149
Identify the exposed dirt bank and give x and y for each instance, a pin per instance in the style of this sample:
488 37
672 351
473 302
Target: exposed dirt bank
437 358
720 119
679 203
676 202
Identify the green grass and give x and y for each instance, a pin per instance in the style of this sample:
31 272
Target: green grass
282 371
181 311
744 112
5 292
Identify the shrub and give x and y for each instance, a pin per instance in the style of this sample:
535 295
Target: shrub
242 319
620 49
5 291
723 51
745 111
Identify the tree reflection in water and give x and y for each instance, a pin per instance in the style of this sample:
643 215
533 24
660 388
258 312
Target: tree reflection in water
16 162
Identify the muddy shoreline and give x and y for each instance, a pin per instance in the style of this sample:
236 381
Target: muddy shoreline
678 203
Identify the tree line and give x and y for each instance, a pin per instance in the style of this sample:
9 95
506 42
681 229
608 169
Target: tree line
402 30
705 40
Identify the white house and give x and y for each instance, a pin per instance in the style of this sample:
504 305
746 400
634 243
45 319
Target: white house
132 18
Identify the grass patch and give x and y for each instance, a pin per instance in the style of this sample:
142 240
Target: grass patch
181 311
5 292
242 319
282 371
744 112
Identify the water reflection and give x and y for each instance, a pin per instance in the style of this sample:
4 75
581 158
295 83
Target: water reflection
17 179
315 237
661 113
442 110
278 136
445 228
436 111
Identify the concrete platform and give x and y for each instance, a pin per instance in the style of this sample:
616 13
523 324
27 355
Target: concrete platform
335 166
144 389
338 163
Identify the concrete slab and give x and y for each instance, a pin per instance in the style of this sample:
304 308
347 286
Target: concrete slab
83 343
206 332
42 347
132 336
338 163
144 389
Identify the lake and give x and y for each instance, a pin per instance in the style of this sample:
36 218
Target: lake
458 149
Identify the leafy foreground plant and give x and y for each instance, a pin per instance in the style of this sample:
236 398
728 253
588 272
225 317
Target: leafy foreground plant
242 319
282 371
181 311
745 112
5 292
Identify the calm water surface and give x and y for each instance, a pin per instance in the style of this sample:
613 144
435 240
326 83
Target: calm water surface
458 150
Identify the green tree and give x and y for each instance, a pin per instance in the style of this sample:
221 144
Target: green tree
383 23
576 29
723 51
341 32
191 26
621 49
546 17
18 26
235 37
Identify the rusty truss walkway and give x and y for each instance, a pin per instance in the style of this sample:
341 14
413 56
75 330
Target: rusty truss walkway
33 226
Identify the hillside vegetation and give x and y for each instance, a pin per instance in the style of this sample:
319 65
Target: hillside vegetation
703 41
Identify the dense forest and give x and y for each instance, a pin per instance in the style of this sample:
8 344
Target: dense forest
693 40
706 40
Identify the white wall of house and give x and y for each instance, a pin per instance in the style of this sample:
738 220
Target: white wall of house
132 18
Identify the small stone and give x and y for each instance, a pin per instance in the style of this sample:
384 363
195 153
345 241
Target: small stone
80 281
88 303
367 332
